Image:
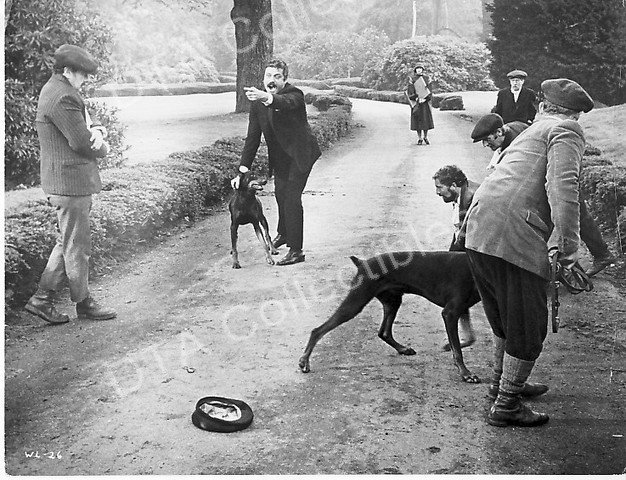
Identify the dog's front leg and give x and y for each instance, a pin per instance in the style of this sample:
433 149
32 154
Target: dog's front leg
451 321
266 235
233 241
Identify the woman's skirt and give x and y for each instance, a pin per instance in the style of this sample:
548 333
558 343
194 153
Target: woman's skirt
422 117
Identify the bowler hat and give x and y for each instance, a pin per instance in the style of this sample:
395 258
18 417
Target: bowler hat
219 414
486 126
567 93
75 58
517 74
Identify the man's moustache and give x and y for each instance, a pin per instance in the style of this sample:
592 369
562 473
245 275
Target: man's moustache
271 85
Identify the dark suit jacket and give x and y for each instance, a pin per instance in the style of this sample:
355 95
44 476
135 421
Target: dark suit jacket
523 110
286 130
68 164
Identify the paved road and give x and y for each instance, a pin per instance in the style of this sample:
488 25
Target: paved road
114 397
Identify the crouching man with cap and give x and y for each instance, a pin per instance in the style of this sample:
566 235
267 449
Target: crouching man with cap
70 144
532 194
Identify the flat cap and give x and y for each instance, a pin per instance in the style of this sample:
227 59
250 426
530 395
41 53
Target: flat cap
567 93
486 126
517 74
75 58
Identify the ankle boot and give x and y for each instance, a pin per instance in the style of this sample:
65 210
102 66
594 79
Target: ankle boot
42 305
508 409
89 309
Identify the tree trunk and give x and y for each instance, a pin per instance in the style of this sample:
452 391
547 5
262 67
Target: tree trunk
436 13
254 36
487 27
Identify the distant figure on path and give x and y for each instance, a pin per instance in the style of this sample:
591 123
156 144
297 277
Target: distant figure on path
419 94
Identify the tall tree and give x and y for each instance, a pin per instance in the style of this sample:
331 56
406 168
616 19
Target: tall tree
579 39
254 36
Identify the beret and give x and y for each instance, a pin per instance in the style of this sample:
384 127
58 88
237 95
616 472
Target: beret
517 74
486 126
567 93
76 58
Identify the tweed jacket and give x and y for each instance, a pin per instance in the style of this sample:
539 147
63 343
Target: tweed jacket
523 110
68 164
532 194
286 130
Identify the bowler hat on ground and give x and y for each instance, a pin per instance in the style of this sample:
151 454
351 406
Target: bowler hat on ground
75 58
517 74
486 126
567 93
220 414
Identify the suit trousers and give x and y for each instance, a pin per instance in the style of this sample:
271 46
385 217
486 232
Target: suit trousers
288 188
515 303
70 256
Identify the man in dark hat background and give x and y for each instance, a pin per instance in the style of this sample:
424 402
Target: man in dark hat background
70 144
516 103
494 133
530 198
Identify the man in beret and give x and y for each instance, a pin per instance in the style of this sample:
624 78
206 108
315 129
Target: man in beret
70 145
491 130
531 197
516 103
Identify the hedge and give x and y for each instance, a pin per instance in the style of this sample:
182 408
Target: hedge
140 202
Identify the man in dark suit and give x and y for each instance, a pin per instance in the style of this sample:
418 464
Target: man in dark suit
516 103
70 145
279 113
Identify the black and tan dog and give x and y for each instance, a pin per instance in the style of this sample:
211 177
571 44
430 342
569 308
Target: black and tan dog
444 278
246 208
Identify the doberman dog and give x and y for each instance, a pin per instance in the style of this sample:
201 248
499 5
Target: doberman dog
444 278
246 208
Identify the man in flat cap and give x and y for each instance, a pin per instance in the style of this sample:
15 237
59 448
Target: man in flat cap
516 103
531 197
70 144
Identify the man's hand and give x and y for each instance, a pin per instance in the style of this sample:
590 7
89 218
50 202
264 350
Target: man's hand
254 93
97 139
235 182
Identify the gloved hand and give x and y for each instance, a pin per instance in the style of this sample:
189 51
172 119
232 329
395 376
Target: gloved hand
569 272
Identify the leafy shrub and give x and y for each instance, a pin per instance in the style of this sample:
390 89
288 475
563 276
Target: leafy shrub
584 40
605 189
20 142
35 29
451 64
140 202
334 54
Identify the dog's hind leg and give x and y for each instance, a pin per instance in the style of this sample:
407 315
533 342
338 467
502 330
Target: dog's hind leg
265 228
391 304
451 321
351 306
233 240
260 234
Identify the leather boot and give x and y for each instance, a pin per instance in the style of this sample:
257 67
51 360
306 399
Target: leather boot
42 305
89 309
508 409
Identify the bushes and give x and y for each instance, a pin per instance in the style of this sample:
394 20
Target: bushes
140 202
451 64
334 54
35 29
605 188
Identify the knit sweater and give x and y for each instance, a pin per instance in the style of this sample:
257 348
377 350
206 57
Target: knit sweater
68 164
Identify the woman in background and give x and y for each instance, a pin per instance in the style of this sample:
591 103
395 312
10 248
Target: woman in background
419 95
